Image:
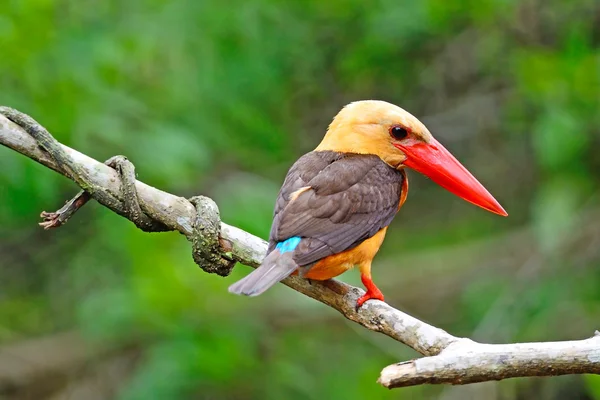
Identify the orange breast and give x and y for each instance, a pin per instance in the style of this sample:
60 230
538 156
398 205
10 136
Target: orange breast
404 190
336 264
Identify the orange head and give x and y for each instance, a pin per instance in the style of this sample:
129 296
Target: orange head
401 140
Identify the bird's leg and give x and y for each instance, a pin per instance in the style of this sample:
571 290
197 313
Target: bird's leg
373 291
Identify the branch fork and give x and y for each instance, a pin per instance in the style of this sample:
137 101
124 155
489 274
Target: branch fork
218 246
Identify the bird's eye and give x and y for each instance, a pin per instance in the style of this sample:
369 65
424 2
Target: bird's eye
398 132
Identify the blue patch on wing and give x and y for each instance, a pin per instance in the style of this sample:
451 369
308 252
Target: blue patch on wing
288 245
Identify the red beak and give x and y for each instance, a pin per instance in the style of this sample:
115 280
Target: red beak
434 161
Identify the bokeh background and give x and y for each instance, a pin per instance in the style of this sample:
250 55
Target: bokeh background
219 98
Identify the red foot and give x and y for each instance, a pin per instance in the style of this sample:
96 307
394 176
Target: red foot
373 292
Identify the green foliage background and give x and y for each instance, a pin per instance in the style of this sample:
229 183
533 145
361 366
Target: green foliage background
219 98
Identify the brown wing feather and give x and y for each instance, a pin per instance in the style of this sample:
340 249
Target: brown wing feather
351 197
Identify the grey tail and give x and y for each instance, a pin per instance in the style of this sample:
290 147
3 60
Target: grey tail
274 268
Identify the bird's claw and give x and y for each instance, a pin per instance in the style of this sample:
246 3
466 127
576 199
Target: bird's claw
370 295
373 291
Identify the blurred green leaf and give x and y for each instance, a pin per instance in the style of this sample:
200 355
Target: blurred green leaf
592 383
554 209
559 139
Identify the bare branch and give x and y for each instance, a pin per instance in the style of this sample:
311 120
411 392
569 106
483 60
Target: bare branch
451 359
466 362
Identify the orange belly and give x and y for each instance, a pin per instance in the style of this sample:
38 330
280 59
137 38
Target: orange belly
336 264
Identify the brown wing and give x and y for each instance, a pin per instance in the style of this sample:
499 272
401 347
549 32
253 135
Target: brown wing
334 201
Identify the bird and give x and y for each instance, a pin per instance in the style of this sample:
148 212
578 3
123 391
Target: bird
336 203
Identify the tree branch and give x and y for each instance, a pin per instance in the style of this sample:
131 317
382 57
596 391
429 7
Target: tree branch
466 361
451 359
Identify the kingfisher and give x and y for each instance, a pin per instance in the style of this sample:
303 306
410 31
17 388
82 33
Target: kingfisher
337 201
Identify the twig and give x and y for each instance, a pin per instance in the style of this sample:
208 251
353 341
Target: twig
452 360
62 215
